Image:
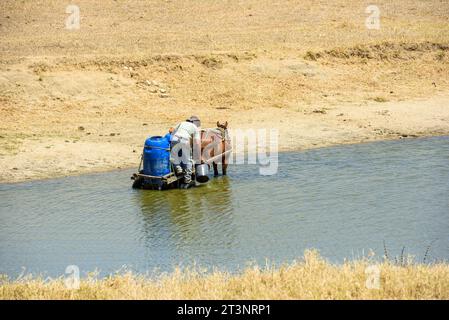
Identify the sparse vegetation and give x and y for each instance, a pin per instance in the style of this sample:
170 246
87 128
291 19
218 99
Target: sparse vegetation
383 51
310 278
441 55
380 99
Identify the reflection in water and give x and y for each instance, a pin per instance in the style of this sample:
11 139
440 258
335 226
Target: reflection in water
191 221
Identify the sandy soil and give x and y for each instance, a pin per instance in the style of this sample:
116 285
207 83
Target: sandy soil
85 100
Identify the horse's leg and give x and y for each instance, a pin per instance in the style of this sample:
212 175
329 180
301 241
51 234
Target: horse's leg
223 159
215 169
224 165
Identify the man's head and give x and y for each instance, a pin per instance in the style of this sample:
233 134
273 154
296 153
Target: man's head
195 120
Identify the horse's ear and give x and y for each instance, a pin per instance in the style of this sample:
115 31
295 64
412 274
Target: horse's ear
226 124
218 123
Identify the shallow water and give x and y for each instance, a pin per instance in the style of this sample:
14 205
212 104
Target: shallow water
342 200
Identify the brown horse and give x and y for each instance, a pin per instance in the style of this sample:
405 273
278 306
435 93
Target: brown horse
215 142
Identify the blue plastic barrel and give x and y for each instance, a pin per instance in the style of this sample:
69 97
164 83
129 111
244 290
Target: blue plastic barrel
156 156
168 136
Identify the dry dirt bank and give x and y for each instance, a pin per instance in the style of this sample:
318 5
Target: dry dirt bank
82 101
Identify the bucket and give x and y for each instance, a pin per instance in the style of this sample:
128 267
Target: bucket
202 172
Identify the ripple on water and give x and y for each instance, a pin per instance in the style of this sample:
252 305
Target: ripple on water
342 200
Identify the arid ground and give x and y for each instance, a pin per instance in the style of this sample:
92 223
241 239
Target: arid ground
74 101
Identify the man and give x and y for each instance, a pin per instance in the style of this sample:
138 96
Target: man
185 136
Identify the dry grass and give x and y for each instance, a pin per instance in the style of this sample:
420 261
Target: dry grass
310 278
192 26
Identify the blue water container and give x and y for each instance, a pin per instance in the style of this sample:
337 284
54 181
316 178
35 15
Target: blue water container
156 156
168 136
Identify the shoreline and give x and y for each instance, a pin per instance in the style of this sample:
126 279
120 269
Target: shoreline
310 277
99 170
43 146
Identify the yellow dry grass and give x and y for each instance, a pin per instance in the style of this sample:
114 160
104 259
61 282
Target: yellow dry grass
310 278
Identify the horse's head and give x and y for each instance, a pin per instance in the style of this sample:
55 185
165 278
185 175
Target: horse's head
223 126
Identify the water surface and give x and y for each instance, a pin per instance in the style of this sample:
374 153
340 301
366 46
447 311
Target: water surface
342 200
